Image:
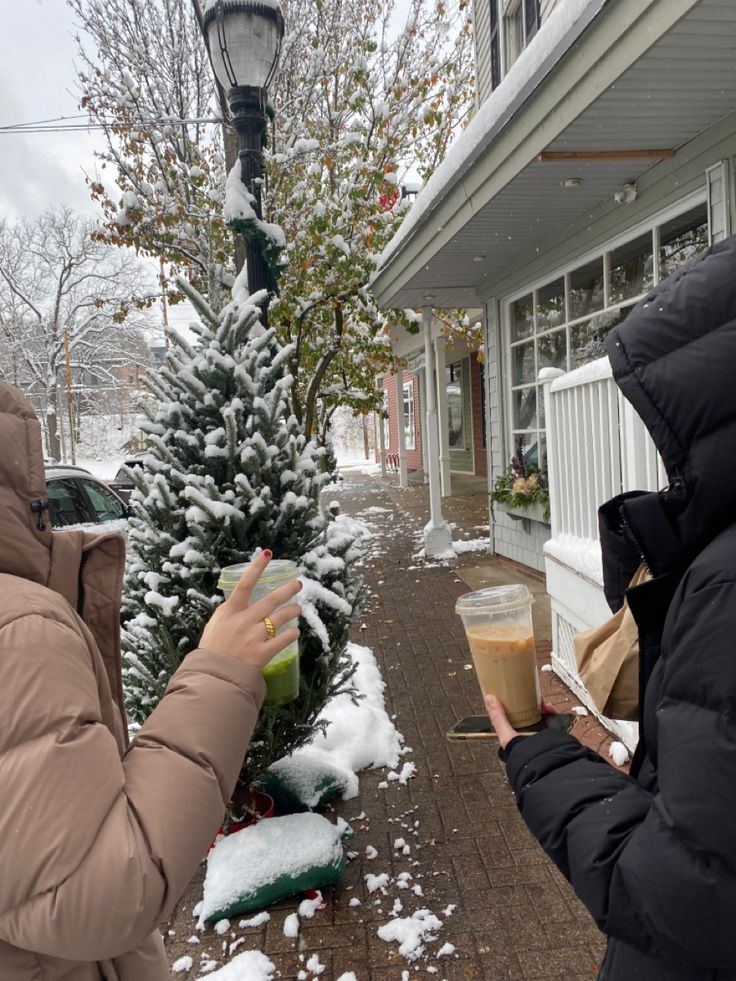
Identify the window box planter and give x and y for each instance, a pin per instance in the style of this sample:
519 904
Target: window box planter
532 512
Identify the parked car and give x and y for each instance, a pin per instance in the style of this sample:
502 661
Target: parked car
76 497
121 482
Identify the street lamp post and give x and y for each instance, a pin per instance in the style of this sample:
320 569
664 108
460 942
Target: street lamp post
244 40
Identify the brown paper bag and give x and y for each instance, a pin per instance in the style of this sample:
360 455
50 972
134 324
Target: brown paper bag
608 661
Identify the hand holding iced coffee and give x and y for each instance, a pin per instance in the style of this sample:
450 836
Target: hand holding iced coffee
498 625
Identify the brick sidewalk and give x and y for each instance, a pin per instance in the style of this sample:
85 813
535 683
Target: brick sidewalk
515 916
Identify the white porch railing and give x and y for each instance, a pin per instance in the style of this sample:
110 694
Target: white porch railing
597 447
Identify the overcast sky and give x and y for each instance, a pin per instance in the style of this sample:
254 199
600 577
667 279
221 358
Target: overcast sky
37 81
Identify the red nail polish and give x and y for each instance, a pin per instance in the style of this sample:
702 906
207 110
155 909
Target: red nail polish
267 553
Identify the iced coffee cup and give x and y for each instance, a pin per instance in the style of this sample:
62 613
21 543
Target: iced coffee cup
281 674
498 625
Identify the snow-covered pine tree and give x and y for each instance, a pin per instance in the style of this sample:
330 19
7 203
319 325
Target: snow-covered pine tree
229 471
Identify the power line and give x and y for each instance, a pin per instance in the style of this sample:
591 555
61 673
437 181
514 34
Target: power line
67 124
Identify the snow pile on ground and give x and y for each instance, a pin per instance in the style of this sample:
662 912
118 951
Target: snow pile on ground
250 966
411 933
464 545
359 736
459 547
282 848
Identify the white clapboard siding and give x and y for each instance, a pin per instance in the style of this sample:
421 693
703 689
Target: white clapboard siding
717 183
482 41
597 447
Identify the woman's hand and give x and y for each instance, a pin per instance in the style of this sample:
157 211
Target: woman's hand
500 722
239 630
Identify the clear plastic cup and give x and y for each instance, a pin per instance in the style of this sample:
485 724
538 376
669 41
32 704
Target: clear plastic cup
498 625
282 672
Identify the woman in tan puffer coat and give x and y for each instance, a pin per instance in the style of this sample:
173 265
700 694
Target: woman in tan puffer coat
99 838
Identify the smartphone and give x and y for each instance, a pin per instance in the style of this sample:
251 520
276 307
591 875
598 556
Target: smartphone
479 727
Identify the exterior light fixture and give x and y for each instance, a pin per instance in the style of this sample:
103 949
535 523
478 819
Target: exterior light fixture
627 194
478 258
244 41
571 182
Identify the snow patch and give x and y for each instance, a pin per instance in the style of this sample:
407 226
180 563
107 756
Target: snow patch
411 933
618 753
250 966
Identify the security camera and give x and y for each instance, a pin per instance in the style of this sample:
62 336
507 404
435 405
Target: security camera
626 195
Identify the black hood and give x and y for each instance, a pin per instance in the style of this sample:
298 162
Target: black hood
674 359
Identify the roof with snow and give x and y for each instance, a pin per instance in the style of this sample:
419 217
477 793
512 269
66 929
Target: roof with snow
599 76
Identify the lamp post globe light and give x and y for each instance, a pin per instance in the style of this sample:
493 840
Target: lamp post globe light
244 40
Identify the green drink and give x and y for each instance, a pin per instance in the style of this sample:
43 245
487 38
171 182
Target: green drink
281 674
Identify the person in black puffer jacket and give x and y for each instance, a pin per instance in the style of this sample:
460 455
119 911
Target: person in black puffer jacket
653 854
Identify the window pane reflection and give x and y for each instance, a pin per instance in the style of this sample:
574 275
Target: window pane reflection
552 350
632 269
681 239
586 289
522 358
522 318
551 305
587 339
455 407
525 408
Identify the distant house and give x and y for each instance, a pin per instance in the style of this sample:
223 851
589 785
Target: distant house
601 157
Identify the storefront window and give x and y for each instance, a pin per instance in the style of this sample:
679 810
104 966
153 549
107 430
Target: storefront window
409 423
455 406
563 324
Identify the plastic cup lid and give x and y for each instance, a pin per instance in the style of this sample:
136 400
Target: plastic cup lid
496 599
278 570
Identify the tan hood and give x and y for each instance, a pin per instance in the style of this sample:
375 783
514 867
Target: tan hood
86 569
25 537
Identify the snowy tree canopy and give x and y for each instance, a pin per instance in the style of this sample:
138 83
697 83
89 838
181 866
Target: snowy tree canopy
62 289
368 94
145 77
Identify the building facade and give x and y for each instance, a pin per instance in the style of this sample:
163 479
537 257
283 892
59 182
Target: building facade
600 159
461 397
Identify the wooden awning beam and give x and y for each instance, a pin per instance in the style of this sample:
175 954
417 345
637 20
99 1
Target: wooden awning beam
606 154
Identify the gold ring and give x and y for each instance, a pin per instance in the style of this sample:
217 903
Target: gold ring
269 626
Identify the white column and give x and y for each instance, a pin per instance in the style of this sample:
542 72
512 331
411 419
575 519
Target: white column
437 534
423 418
382 440
401 424
443 417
